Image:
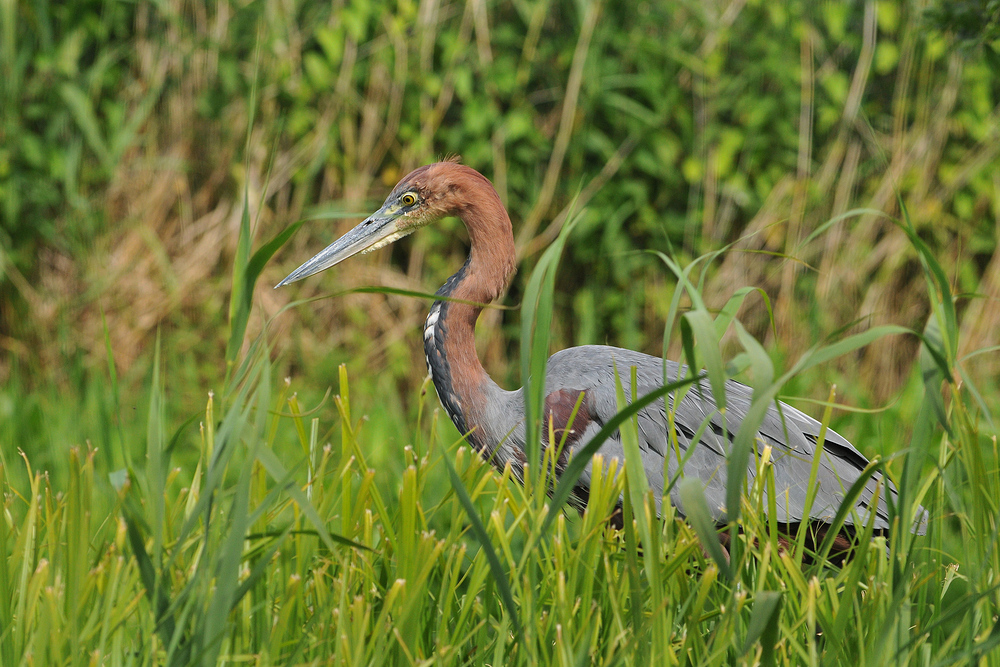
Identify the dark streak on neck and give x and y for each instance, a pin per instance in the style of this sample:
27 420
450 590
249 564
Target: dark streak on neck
437 358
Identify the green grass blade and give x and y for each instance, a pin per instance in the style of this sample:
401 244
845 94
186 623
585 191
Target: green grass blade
943 305
277 470
697 329
155 463
164 620
240 301
727 315
264 254
638 484
536 328
853 213
970 385
499 576
121 460
246 271
764 624
8 646
826 353
582 457
847 506
931 359
696 510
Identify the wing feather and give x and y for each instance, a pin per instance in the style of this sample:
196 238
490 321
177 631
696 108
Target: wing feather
792 436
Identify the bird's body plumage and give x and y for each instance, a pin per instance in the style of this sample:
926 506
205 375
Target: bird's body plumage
791 435
691 431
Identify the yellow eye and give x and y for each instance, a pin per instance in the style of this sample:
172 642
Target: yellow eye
409 199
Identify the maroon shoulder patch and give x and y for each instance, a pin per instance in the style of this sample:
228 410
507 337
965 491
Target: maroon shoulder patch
559 407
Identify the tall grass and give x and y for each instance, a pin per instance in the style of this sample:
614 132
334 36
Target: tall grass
283 546
275 526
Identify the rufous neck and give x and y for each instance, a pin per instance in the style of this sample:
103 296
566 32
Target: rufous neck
462 384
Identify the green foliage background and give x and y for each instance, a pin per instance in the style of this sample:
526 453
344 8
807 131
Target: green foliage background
131 130
135 137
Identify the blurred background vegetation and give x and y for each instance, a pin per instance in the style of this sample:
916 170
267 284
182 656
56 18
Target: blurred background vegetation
130 132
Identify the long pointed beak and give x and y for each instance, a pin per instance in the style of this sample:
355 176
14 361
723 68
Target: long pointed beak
376 231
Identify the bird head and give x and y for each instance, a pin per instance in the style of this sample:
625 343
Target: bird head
421 197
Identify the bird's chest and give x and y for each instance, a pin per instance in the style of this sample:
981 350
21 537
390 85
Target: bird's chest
438 366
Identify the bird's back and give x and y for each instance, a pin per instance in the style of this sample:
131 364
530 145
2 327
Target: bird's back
703 438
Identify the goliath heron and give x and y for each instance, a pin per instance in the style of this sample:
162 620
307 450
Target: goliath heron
492 418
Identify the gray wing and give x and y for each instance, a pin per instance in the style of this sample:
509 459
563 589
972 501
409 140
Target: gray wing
703 438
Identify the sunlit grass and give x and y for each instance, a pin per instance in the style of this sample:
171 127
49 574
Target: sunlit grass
424 588
158 523
284 544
